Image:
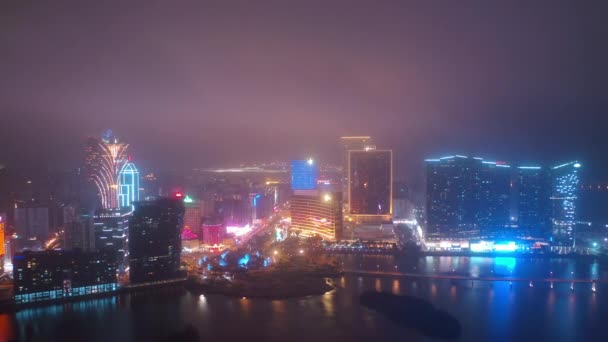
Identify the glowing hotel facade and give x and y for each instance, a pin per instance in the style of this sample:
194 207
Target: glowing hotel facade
316 213
105 159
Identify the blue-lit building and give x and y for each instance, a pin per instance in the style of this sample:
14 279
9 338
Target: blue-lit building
304 174
452 196
467 197
128 185
533 200
56 275
495 193
155 240
565 187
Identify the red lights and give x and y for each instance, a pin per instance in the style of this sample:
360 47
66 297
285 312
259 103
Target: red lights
179 195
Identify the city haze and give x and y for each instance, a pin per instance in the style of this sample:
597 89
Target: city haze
194 84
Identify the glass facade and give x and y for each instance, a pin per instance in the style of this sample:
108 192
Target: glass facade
468 197
155 240
128 185
533 200
370 178
304 174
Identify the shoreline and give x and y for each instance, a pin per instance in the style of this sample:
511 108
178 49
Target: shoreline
268 285
9 306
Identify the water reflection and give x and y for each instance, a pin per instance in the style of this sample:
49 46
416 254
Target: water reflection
396 287
504 265
6 328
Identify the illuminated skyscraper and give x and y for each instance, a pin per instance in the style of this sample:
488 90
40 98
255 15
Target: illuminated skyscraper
304 174
370 182
105 159
128 185
452 195
494 212
111 232
565 180
316 213
467 196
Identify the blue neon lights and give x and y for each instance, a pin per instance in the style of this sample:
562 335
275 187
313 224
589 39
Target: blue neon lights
244 261
255 200
128 185
304 174
505 247
566 164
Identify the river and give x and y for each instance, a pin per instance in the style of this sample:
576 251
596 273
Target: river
487 311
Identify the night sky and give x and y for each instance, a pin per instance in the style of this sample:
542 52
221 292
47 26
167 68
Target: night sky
208 83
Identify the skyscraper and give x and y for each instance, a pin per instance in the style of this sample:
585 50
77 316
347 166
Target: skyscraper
370 179
494 214
128 185
155 240
316 213
565 183
105 159
453 196
112 232
304 174
468 196
533 203
353 143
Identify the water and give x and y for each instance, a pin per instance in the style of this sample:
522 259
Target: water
486 310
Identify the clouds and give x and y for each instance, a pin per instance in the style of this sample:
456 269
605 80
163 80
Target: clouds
213 82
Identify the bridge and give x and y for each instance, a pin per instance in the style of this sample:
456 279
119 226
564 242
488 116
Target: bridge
471 278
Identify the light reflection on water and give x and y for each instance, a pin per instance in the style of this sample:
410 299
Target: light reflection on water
396 287
485 310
